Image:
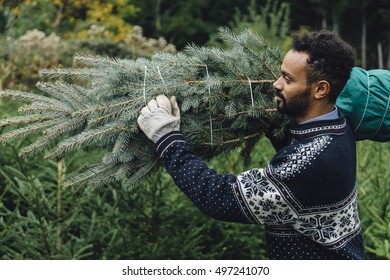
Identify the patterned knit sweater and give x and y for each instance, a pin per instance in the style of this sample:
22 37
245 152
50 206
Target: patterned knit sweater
305 197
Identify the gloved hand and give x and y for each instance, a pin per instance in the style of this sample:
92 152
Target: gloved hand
159 117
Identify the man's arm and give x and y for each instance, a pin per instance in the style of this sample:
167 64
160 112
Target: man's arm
215 195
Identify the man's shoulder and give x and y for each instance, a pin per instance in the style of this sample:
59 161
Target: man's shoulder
316 141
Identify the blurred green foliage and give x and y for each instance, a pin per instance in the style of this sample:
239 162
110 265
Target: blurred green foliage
374 197
155 221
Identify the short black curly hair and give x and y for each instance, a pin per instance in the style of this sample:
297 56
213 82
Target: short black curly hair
330 59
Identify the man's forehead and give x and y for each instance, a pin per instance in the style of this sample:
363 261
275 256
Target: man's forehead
294 63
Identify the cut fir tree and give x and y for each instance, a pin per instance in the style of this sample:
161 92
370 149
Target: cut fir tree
225 97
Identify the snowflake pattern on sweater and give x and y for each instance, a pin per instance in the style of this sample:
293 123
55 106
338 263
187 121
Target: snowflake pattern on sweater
331 227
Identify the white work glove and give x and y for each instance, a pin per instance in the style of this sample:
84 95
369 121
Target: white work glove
159 117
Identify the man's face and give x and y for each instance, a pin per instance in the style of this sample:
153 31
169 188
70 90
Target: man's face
292 89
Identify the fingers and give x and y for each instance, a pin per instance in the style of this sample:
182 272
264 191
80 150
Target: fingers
145 110
163 102
175 107
152 105
140 119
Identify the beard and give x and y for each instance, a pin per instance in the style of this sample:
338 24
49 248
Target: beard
296 106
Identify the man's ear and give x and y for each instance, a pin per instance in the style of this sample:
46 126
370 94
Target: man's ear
321 89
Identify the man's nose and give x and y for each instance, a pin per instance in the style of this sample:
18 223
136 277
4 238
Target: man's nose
277 84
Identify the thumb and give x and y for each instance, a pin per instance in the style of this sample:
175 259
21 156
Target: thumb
175 107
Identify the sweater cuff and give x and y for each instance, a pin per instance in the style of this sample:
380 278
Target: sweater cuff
168 140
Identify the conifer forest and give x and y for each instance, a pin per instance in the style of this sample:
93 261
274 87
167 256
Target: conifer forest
78 180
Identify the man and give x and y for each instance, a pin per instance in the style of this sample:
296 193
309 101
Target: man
306 196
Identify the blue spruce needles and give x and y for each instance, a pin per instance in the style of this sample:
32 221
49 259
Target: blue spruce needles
225 96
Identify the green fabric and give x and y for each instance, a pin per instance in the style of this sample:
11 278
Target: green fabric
365 101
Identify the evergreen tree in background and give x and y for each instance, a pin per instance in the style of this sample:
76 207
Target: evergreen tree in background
225 95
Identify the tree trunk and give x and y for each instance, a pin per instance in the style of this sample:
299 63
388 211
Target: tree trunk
380 56
60 178
388 52
158 16
60 15
335 22
324 24
364 41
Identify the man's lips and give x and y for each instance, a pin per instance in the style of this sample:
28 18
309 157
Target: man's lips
279 97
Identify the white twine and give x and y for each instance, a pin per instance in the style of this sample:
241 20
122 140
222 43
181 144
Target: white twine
161 77
384 115
211 120
146 72
250 87
365 108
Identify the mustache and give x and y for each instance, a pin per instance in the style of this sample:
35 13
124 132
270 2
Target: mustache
279 94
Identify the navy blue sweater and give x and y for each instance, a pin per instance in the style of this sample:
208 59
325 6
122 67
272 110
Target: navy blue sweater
305 197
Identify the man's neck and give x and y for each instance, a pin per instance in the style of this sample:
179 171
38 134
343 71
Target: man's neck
328 111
